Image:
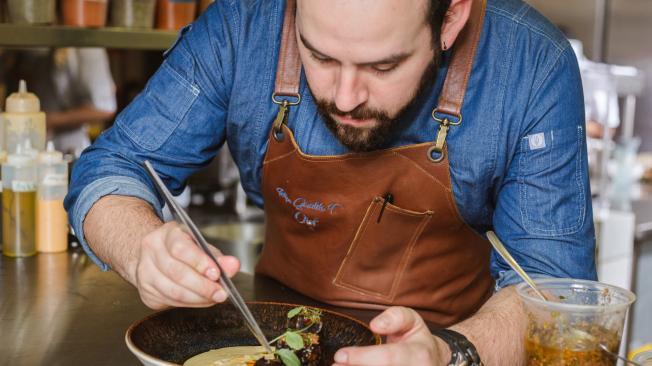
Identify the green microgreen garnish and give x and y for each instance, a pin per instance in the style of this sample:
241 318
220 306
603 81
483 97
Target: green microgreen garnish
288 357
295 338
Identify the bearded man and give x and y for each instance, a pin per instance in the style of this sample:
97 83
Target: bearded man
383 139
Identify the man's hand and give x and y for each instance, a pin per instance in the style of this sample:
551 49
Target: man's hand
409 342
173 271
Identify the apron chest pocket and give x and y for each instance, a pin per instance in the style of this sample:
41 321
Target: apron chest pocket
380 250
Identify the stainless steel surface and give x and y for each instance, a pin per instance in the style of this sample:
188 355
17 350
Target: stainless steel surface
12 35
60 309
243 240
234 296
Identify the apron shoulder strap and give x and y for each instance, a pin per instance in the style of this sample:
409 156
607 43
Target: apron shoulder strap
452 95
288 70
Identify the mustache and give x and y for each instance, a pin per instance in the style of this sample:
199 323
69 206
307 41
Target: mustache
360 112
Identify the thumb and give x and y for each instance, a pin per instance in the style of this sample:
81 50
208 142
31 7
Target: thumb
397 322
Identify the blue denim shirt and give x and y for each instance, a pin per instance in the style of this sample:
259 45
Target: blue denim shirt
518 161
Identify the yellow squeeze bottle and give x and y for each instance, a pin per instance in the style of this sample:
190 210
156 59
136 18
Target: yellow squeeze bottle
24 120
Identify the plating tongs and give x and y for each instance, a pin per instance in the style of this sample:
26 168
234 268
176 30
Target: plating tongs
182 218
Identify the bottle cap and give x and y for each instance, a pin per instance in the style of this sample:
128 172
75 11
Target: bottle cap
50 155
23 101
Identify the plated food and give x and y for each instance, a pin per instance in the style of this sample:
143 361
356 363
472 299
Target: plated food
297 346
172 337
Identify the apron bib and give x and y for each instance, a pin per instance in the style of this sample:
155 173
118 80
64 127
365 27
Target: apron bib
378 229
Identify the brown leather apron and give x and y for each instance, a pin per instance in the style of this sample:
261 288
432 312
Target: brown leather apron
333 235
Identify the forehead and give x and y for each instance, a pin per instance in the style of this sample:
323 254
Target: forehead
357 28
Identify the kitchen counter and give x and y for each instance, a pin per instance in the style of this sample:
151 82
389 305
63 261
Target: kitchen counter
60 309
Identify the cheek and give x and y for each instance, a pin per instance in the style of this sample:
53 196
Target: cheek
320 80
392 95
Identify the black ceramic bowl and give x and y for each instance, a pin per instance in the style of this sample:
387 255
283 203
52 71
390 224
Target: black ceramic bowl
172 336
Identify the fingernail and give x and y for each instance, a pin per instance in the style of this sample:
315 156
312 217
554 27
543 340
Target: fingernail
341 357
211 273
219 296
381 322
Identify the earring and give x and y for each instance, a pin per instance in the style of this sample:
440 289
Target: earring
445 47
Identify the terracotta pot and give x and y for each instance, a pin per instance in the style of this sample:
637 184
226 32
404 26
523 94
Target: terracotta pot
175 14
84 13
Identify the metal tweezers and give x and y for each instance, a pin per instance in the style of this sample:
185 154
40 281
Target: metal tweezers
182 218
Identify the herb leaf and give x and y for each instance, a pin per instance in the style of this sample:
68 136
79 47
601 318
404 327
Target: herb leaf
294 312
294 340
288 357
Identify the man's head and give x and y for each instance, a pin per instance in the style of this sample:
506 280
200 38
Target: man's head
366 61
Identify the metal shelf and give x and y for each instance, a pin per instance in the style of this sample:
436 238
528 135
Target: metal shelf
22 36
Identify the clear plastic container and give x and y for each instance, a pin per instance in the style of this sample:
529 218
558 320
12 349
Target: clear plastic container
133 13
175 14
51 217
84 13
31 11
581 317
24 120
19 205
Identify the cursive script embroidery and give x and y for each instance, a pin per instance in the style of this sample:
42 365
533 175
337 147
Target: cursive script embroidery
302 204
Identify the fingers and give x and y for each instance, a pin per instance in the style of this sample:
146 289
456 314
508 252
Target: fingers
408 353
409 342
173 271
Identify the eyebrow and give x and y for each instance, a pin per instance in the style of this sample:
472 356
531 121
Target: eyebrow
393 59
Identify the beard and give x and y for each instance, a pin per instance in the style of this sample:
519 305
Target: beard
365 139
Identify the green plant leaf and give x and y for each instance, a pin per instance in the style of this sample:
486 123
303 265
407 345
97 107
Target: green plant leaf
294 340
289 358
294 312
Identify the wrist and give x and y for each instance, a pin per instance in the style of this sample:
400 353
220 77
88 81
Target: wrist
444 353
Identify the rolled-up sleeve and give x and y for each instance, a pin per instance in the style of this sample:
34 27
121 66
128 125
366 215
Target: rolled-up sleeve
113 185
177 123
543 207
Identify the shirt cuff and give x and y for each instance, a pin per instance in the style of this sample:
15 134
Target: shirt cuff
509 278
115 185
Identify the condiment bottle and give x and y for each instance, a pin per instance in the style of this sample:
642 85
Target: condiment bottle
18 204
133 13
174 14
51 217
24 120
31 11
84 13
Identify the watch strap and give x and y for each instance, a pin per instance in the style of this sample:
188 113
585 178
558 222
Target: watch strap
463 352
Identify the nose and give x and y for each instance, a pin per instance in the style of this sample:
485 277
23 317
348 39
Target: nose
350 91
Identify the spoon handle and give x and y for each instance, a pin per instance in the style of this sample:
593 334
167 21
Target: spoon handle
500 248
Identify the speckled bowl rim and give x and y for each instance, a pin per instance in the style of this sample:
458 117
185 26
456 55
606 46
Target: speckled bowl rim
157 361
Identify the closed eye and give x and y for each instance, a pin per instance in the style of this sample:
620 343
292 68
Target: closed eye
384 68
320 59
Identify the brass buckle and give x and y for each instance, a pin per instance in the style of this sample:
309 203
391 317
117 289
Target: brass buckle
280 120
442 133
441 120
276 98
433 149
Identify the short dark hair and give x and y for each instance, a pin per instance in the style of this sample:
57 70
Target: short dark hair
435 17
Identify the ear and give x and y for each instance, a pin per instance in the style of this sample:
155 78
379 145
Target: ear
456 17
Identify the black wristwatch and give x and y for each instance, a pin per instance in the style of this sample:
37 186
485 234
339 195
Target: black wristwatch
463 352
